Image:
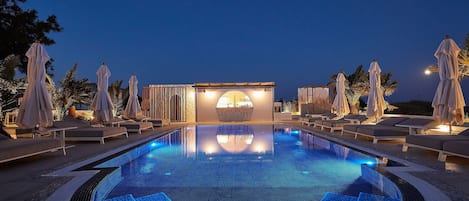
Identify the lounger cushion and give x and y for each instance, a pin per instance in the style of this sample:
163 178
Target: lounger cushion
94 132
391 121
328 115
458 147
419 121
352 128
335 123
137 125
358 117
155 122
319 121
21 147
433 141
380 130
464 132
71 122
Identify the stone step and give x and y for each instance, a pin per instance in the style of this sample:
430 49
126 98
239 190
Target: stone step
338 197
373 197
128 197
153 197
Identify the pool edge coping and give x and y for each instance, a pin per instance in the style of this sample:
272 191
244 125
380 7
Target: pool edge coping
79 172
425 189
81 176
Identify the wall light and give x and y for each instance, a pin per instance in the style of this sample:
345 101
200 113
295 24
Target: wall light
209 149
260 149
431 69
209 94
258 94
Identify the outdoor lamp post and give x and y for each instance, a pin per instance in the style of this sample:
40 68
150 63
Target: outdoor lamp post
431 69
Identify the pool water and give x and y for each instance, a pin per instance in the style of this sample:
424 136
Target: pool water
240 162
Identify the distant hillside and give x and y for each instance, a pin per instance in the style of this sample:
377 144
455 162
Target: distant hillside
416 107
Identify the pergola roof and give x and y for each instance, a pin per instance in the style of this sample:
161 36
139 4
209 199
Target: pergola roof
233 84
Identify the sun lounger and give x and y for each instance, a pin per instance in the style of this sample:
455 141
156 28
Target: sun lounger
456 148
338 125
311 119
384 130
85 132
308 121
317 122
379 132
417 125
435 142
94 133
352 129
137 126
16 149
155 122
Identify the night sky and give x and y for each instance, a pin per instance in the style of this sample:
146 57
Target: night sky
292 43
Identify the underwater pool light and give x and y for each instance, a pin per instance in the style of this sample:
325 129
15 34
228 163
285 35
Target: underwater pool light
369 162
295 132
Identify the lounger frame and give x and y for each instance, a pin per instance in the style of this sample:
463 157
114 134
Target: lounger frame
139 130
52 149
100 139
441 154
444 154
376 138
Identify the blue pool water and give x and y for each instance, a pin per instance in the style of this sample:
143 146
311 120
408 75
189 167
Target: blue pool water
239 162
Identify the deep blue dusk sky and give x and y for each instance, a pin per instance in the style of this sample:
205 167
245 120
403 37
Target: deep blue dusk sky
292 43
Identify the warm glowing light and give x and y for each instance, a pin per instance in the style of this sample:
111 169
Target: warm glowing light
258 94
222 139
209 94
443 128
248 140
210 150
260 149
234 99
428 72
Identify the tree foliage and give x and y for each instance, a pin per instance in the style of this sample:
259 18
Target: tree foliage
464 59
19 28
9 87
357 85
118 95
71 91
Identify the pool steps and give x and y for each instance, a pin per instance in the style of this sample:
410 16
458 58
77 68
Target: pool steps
338 197
361 197
153 197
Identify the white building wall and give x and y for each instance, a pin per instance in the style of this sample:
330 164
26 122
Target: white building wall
262 99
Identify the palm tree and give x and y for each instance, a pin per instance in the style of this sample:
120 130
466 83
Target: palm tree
118 95
72 91
358 85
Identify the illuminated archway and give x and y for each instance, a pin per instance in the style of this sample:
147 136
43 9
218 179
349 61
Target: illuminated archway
234 106
234 99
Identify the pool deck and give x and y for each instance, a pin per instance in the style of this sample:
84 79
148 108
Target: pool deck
25 179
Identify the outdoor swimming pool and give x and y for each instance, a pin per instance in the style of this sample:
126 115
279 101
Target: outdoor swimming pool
238 162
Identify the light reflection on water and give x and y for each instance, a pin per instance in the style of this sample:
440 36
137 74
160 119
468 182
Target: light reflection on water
241 162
